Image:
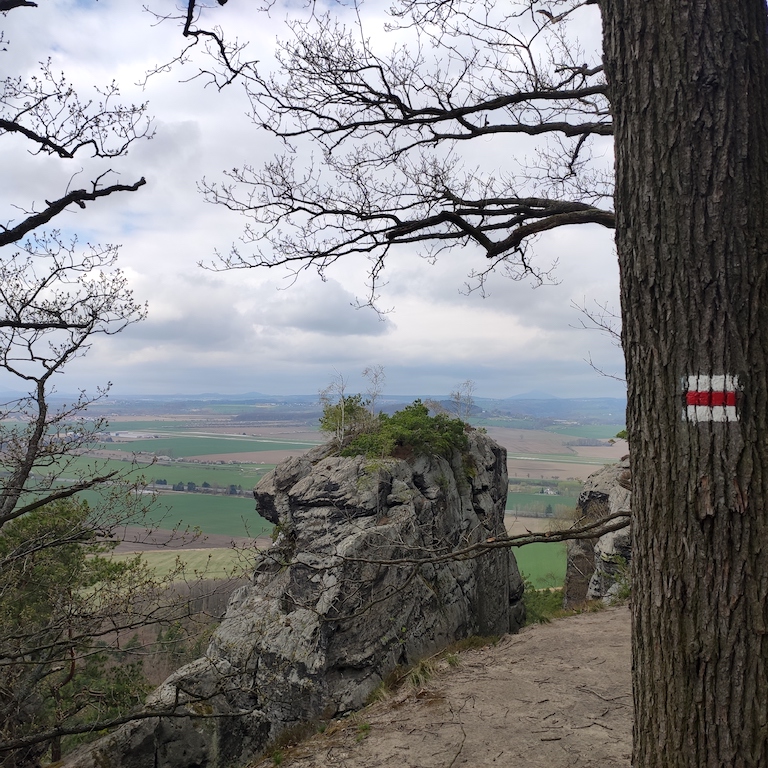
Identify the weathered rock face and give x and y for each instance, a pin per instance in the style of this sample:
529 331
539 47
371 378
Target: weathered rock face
613 553
597 568
328 614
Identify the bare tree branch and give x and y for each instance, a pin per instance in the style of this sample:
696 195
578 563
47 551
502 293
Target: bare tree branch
63 607
9 5
606 320
64 493
180 710
389 136
613 522
78 197
228 63
48 111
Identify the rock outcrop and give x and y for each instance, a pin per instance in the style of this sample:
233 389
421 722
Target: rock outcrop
338 602
613 554
597 568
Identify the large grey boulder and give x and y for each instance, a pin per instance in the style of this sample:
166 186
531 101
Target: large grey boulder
338 602
597 568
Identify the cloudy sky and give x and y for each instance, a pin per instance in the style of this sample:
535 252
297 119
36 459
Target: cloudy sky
256 331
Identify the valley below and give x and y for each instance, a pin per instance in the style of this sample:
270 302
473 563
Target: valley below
203 463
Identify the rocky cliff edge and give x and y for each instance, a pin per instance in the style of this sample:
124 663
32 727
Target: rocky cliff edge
328 615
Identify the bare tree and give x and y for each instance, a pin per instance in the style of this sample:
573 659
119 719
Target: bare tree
333 398
463 400
63 606
391 130
56 295
344 416
55 300
376 380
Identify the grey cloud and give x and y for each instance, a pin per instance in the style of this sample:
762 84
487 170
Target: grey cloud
321 309
234 332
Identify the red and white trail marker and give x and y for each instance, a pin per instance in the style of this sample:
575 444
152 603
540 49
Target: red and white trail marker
711 398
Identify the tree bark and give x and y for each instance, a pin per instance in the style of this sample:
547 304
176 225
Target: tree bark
689 89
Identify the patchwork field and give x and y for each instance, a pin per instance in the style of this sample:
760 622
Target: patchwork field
545 454
537 454
231 458
199 445
245 474
592 431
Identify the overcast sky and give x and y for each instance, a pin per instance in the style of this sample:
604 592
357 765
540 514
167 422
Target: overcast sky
251 330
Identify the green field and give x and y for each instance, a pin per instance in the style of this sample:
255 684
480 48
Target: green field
222 475
154 426
213 514
563 458
198 563
589 431
533 501
246 475
506 423
543 564
226 515
202 445
186 425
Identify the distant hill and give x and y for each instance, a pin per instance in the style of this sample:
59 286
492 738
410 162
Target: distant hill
607 410
533 395
255 406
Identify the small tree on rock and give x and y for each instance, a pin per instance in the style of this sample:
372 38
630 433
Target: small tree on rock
346 417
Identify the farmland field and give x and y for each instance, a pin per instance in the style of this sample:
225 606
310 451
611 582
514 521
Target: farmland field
202 445
503 423
542 564
591 431
544 453
243 474
198 563
557 458
252 449
152 425
224 515
538 502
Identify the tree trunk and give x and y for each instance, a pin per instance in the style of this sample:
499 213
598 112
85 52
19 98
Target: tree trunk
56 749
689 91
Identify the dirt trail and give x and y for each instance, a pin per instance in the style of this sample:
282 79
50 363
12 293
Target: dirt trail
554 696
